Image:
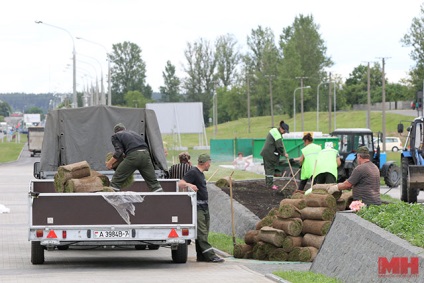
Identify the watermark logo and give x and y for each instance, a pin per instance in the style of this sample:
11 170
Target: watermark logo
398 267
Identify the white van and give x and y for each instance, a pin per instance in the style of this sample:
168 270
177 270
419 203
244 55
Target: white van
392 143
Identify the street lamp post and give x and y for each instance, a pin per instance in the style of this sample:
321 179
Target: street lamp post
318 103
102 94
270 99
109 82
294 104
74 60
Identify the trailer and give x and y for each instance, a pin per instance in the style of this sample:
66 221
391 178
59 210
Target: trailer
132 217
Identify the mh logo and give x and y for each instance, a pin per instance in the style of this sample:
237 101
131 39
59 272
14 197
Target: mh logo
398 267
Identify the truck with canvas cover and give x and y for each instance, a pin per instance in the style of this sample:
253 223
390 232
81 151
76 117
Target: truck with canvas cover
35 140
133 217
352 138
412 159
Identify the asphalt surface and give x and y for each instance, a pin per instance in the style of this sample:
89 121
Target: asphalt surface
102 264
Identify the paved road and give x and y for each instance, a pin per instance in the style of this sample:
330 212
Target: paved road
93 265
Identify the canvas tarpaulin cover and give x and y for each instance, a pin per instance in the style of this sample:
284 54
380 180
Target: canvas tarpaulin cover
77 134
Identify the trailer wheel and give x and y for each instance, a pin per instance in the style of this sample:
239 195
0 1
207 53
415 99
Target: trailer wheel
37 253
63 248
140 247
404 190
153 247
180 254
393 176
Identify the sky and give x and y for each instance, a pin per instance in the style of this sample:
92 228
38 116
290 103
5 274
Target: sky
37 58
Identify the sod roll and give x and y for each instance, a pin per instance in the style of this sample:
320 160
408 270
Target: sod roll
251 237
307 254
272 236
71 171
84 185
291 226
240 250
291 242
311 240
318 213
299 203
288 211
316 227
317 200
278 255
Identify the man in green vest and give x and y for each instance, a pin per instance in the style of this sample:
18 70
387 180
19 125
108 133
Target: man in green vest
328 161
272 150
307 159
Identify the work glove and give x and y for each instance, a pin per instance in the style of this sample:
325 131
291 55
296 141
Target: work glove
333 189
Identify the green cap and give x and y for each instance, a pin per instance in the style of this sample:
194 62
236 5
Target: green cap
203 158
362 150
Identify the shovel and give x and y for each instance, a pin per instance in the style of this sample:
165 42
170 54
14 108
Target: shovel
291 169
312 182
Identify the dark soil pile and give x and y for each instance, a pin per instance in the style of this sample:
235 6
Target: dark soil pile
255 196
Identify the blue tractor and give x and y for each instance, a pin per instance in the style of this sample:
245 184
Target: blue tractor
412 159
352 138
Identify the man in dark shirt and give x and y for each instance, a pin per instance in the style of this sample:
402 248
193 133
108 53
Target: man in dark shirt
137 157
195 179
364 181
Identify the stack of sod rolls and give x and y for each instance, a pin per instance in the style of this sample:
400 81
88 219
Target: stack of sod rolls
295 230
78 177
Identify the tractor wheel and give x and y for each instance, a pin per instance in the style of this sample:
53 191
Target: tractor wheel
404 189
412 195
393 176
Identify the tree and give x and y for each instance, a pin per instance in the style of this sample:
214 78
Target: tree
128 71
227 58
171 90
200 69
304 55
415 39
135 99
5 109
261 61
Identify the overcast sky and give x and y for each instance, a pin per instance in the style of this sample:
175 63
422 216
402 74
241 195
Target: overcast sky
34 57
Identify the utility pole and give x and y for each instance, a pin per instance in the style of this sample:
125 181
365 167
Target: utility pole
270 99
329 104
369 98
248 103
301 100
383 102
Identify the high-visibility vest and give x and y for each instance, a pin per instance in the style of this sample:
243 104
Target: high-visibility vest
275 133
310 153
327 162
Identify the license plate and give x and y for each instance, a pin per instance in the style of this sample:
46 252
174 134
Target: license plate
112 234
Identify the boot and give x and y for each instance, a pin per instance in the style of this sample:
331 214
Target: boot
269 181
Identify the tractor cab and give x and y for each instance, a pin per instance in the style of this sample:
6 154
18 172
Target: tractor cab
349 141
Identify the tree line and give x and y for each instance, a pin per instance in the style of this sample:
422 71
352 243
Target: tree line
265 75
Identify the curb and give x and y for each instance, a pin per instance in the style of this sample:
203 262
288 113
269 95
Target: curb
276 278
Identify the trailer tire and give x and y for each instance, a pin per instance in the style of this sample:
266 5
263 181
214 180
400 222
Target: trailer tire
140 247
180 254
63 248
393 176
153 247
404 189
37 253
